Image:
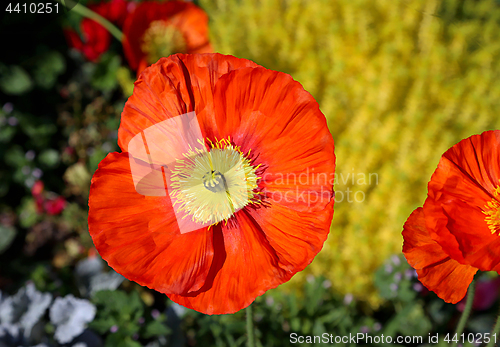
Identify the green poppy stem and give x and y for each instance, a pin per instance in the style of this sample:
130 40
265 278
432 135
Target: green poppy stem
465 314
250 339
494 332
86 12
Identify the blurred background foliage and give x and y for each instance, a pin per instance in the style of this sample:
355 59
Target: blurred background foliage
399 82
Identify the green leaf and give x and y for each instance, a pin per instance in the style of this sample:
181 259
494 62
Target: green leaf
49 67
49 158
156 328
295 324
102 325
15 157
4 185
28 215
7 235
96 158
40 276
481 324
411 320
115 307
437 311
14 80
126 81
111 300
104 77
39 130
333 316
114 340
6 133
134 307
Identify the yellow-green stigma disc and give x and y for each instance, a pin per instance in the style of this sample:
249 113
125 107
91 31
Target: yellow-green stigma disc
209 186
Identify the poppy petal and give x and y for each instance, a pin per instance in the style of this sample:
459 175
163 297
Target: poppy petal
73 39
244 267
96 39
284 127
296 237
172 87
266 120
459 190
139 235
436 270
193 23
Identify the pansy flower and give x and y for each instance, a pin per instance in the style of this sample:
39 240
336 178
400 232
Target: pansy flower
457 232
159 29
224 188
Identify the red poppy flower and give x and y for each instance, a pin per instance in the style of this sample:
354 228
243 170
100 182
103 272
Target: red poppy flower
37 193
224 188
55 205
95 38
457 231
158 29
94 42
115 10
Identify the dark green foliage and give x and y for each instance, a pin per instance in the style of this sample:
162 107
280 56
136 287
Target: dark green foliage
120 317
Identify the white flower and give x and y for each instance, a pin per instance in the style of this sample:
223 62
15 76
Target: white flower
24 309
70 316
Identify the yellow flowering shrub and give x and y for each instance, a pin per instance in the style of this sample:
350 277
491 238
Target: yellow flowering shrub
399 82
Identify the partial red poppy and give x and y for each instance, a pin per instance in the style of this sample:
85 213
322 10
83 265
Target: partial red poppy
95 39
39 200
49 203
461 216
224 188
54 206
94 42
436 270
115 10
37 191
159 29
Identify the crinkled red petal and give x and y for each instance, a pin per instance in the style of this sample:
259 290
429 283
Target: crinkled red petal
176 85
245 266
459 190
436 270
191 21
139 235
271 115
263 249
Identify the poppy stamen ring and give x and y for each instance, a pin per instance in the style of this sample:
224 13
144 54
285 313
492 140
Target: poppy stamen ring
209 186
492 212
